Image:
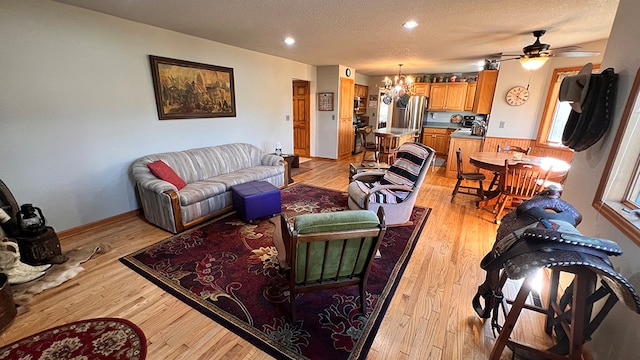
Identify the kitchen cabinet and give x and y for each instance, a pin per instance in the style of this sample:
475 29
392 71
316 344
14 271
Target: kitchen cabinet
421 89
437 139
362 92
345 118
447 96
471 95
486 87
468 146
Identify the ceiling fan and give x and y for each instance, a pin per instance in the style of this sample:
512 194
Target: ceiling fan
536 54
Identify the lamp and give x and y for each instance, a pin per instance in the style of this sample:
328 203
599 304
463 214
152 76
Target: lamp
398 86
533 62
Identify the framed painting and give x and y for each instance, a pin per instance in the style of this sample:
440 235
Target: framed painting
188 90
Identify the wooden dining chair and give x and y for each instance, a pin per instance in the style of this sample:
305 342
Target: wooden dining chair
368 146
519 182
467 176
386 148
507 148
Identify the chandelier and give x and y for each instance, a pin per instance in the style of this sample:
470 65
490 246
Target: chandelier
400 85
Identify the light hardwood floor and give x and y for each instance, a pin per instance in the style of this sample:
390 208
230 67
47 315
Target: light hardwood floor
430 316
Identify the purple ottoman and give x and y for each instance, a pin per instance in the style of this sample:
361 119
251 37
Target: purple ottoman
255 200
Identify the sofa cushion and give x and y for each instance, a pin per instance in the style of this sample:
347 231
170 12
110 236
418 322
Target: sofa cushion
201 190
160 169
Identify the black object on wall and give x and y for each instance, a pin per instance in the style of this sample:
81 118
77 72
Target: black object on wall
585 127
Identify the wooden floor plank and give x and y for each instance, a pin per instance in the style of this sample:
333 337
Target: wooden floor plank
430 316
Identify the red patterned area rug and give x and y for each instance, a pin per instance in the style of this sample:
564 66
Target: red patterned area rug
95 339
228 270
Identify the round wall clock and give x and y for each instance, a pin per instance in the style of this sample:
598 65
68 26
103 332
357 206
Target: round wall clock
517 96
348 72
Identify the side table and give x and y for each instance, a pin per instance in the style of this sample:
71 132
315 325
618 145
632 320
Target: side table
292 161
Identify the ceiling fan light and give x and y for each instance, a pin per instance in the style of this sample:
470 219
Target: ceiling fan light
533 63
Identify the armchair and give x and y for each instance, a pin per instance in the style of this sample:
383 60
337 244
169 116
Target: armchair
395 189
329 250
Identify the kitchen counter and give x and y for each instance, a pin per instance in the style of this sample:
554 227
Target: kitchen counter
465 133
441 125
396 131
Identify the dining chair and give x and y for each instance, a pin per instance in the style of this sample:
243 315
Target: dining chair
368 146
520 182
386 147
330 250
507 148
467 176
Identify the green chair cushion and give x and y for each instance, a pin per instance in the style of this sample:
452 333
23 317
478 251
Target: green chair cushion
335 221
356 251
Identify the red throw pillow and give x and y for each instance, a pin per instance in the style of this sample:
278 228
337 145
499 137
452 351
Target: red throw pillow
160 169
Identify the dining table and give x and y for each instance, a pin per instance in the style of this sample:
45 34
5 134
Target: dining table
494 162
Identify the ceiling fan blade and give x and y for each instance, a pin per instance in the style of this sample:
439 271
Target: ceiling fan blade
511 58
566 48
578 54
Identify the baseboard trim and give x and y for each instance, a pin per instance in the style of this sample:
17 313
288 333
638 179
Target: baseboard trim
100 223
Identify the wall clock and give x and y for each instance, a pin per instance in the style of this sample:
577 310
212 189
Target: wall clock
517 96
347 72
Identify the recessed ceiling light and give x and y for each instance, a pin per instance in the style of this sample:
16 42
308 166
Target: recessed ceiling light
289 41
410 24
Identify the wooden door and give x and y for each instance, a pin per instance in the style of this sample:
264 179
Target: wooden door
301 114
346 133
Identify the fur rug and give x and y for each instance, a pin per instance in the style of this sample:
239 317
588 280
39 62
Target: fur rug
56 275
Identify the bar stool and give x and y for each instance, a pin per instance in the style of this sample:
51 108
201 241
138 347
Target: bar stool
386 148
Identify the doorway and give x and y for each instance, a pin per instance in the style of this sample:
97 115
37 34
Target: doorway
301 118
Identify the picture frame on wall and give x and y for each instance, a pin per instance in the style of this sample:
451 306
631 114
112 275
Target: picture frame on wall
325 101
189 90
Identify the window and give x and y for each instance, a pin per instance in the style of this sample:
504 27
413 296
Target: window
618 194
556 113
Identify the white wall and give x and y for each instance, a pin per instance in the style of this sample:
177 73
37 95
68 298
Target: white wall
523 121
77 106
618 336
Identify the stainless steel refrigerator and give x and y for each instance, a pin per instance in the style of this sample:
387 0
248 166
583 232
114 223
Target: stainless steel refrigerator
407 113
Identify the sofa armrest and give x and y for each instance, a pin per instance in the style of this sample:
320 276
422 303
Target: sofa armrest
160 204
271 159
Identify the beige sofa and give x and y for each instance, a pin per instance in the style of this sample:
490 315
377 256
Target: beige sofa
209 173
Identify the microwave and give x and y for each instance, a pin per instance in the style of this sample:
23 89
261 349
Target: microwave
467 121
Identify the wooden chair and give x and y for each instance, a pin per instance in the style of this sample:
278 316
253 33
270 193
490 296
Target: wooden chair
386 148
468 176
368 147
520 182
507 148
330 250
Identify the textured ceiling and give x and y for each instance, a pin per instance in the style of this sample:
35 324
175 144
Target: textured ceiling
367 35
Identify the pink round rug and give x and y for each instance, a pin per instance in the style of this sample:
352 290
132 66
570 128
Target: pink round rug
103 338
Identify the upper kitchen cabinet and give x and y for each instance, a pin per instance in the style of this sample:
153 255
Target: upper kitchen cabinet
448 96
486 87
421 89
471 95
362 92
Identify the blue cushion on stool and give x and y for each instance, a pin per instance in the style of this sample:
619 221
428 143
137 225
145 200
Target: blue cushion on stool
256 199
